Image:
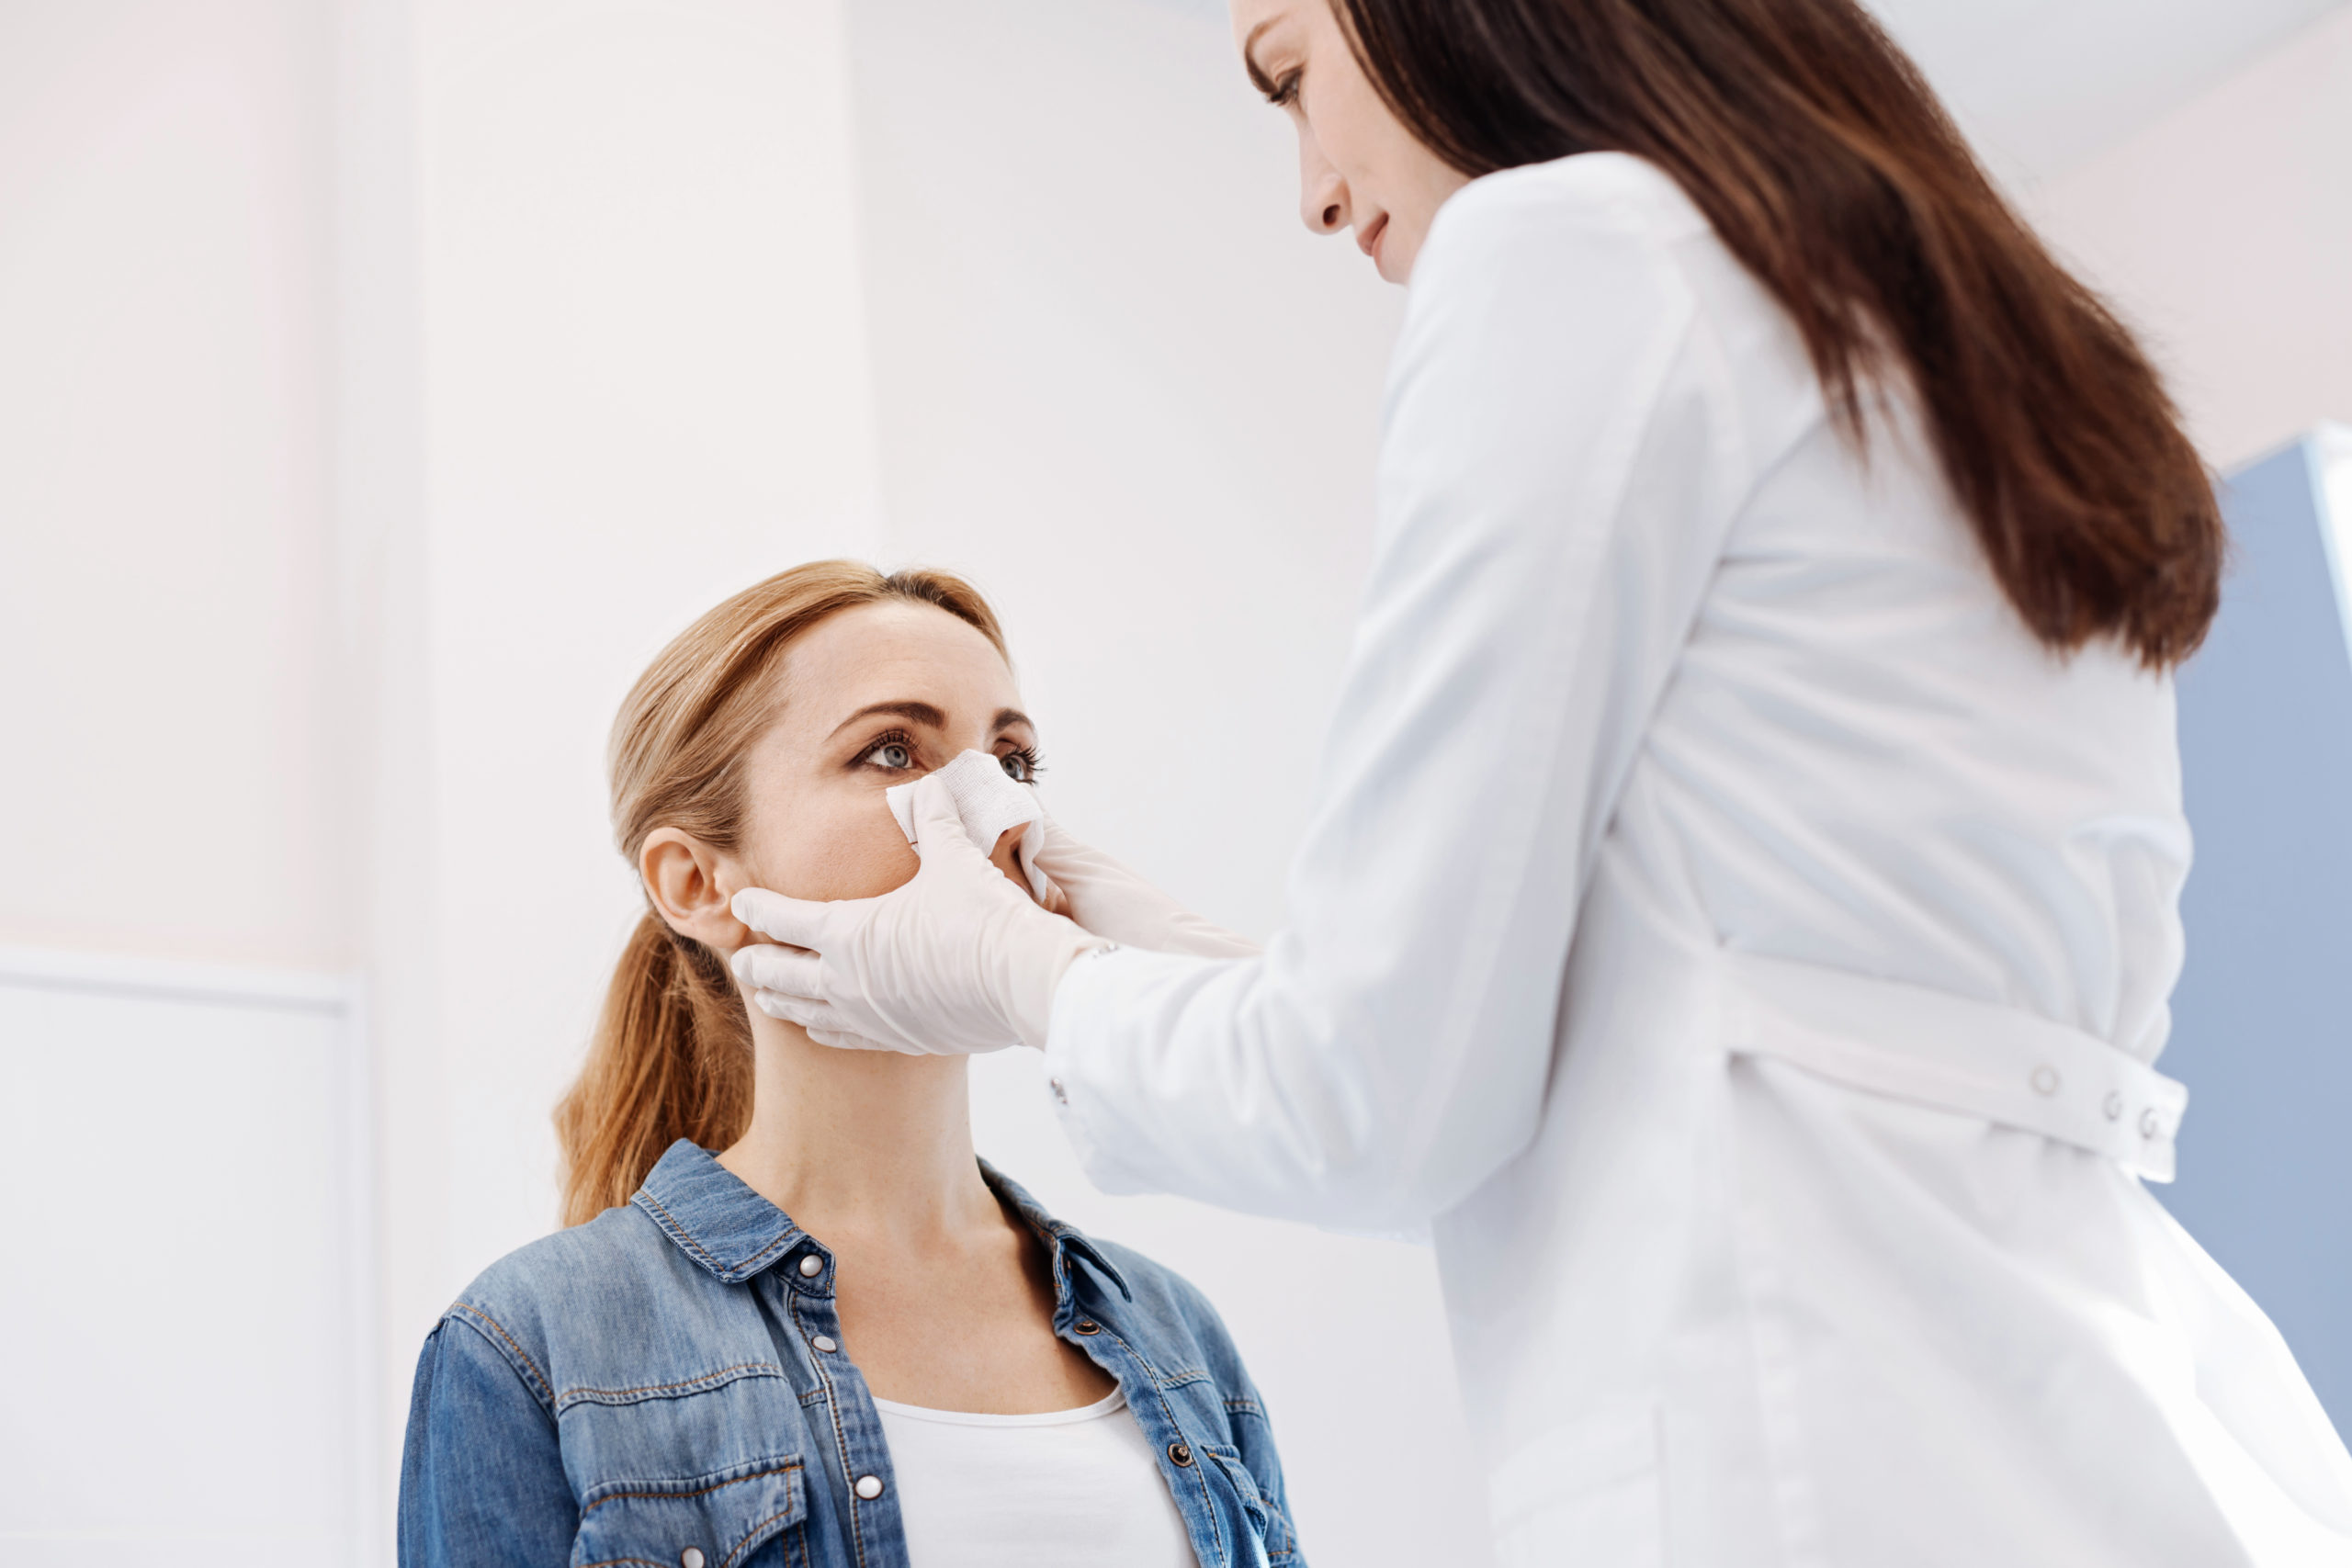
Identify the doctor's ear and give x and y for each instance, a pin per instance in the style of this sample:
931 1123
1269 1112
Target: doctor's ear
689 883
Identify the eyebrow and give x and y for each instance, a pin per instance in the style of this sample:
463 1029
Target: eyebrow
920 713
1258 77
928 716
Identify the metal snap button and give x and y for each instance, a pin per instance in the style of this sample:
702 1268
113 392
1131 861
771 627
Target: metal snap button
2113 1105
690 1558
2151 1125
1181 1453
868 1488
1060 1093
825 1342
811 1266
2045 1079
1088 1326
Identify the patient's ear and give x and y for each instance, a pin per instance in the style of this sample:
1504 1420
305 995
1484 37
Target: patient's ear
689 883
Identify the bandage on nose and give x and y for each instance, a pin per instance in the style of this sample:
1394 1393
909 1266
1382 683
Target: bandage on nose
990 804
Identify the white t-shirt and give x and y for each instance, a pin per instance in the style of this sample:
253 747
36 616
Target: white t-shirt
1064 1489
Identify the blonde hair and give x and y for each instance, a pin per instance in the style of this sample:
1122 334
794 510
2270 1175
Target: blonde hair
672 1054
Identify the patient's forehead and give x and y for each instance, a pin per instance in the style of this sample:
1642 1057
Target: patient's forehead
891 652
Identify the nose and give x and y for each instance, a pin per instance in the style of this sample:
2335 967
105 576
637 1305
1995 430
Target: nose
1322 194
1006 855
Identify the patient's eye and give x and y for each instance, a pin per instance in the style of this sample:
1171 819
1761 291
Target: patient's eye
1022 764
892 753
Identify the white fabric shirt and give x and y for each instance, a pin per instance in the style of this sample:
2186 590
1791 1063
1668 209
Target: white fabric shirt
1067 1489
1712 887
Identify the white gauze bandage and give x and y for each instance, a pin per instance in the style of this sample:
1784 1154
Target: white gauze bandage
989 801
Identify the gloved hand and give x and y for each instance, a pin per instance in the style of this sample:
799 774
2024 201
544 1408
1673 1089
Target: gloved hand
956 961
1110 900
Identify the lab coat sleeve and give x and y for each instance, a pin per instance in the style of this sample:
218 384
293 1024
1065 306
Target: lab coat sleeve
1558 466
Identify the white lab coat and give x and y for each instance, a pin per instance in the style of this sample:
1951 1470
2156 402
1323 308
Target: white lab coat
1745 945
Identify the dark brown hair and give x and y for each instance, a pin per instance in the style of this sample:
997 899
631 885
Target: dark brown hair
1825 164
672 1055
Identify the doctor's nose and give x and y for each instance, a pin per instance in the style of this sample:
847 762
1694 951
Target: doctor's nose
1322 194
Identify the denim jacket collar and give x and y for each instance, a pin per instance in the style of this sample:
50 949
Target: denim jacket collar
713 1218
710 1215
1060 1239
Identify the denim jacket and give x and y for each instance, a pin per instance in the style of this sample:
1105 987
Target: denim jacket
663 1385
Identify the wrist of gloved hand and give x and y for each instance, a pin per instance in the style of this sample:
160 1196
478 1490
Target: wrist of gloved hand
1111 901
1034 964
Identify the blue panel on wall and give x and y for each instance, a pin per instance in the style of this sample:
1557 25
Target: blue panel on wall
2262 1022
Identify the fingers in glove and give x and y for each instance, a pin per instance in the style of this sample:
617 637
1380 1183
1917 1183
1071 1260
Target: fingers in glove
799 1010
797 922
823 1023
853 1043
1067 859
788 971
938 820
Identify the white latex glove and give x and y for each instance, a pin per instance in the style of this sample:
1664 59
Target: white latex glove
1110 900
956 961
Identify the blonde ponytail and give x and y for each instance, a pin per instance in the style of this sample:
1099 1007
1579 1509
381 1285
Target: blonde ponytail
671 1059
672 1055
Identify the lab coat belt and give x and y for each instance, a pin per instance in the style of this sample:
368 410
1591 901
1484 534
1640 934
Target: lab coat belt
1917 1044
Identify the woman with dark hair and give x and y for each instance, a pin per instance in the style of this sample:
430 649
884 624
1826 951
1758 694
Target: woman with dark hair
1743 899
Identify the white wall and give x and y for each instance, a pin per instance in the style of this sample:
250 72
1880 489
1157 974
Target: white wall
643 386
149 1340
1124 386
165 330
2040 86
2225 232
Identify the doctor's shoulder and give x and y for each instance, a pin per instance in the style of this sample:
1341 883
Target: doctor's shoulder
1582 199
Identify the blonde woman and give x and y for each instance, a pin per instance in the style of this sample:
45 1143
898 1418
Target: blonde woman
794 1319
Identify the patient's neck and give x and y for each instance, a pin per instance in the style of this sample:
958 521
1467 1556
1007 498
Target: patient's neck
869 1143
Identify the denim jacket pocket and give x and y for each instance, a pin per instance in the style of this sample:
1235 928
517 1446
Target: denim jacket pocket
1272 1531
723 1517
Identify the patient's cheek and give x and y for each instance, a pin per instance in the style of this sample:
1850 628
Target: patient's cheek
853 854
